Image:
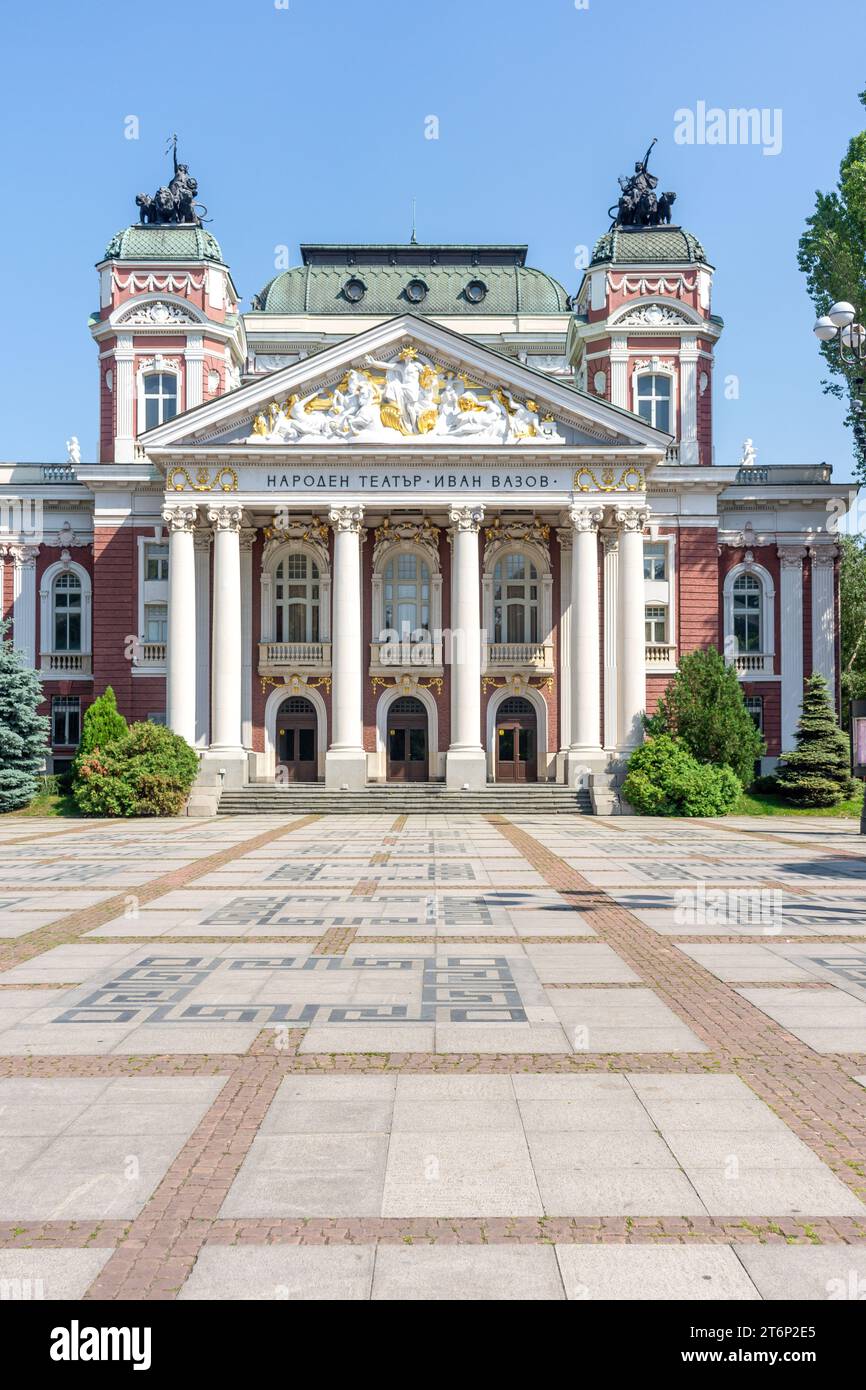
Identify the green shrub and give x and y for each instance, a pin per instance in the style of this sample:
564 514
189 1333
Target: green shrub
664 779
764 785
818 771
147 772
704 707
102 724
23 732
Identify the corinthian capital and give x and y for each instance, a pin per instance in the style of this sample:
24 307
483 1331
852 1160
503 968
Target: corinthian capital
585 518
466 518
346 518
225 518
631 518
179 518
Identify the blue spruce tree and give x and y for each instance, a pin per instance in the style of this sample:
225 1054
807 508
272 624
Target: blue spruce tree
23 732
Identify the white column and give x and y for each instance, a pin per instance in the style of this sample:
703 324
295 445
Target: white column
248 536
824 614
619 371
24 600
181 677
194 359
202 542
124 397
791 645
585 663
564 535
465 763
226 659
346 761
632 644
688 406
610 545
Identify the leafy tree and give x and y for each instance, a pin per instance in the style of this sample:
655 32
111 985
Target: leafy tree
832 254
663 779
23 732
818 771
852 608
704 707
102 724
147 772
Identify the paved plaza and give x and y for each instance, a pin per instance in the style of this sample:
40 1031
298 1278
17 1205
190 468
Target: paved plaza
432 1057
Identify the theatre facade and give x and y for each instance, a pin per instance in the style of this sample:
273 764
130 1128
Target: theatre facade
419 514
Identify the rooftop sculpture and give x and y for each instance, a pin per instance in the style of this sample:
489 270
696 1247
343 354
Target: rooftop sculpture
639 205
175 204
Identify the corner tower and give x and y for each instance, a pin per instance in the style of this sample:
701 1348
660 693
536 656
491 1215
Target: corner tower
167 328
643 332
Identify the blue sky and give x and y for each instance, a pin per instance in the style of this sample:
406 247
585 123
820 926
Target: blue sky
307 122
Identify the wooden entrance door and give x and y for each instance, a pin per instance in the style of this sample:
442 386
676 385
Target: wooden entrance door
297 738
407 741
516 739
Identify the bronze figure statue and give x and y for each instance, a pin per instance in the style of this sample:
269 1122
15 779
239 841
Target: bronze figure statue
638 205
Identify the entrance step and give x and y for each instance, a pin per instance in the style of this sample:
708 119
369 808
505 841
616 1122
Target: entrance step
420 798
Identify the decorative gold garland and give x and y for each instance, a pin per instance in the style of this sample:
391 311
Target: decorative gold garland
203 481
631 479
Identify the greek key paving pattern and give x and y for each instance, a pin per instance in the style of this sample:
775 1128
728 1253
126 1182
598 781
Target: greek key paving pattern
399 1057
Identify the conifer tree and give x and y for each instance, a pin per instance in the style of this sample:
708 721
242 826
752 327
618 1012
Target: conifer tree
817 772
23 731
102 724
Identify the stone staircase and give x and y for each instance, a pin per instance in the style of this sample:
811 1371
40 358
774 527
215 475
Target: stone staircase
419 798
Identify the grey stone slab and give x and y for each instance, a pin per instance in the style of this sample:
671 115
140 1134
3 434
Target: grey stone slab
330 1174
622 1192
451 1273
461 1116
742 1151
500 1037
602 1150
286 1273
462 1086
460 1175
776 1191
675 1273
815 1272
599 1113
50 1274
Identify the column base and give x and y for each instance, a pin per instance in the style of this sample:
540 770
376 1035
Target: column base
465 768
233 762
345 769
581 763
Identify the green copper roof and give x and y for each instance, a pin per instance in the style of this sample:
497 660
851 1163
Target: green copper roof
166 243
386 271
648 246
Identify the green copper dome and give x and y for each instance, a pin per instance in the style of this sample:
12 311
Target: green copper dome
423 280
648 246
163 243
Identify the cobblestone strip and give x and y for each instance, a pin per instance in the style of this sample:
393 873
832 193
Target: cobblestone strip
564 1230
814 1094
775 839
74 924
335 941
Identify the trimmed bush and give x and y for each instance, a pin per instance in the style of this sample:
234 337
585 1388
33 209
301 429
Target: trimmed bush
23 732
102 724
664 779
147 772
818 771
704 707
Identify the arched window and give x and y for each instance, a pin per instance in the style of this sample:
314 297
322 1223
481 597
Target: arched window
296 599
515 599
406 597
747 609
654 400
66 602
160 398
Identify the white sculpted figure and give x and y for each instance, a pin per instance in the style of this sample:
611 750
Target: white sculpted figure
463 415
73 450
402 393
356 410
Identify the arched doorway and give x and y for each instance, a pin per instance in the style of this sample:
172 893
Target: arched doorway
516 733
297 754
406 740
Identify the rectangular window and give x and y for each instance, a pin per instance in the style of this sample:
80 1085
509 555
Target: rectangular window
655 560
156 562
755 706
155 622
158 718
656 624
65 721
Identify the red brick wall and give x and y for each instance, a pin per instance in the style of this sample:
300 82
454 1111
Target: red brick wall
698 588
115 613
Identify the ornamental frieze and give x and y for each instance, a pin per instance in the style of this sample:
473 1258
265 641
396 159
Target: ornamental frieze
422 533
201 479
408 396
627 479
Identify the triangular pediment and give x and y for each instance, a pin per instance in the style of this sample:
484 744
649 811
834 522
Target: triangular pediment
406 384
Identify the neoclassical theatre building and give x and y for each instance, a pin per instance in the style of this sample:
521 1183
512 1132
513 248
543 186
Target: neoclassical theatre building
418 514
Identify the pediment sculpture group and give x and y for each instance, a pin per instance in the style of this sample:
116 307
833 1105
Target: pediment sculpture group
406 396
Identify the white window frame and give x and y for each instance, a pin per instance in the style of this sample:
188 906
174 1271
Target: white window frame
150 367
46 613
309 604
638 399
527 603
319 555
768 617
539 557
661 608
426 556
662 593
149 591
54 743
